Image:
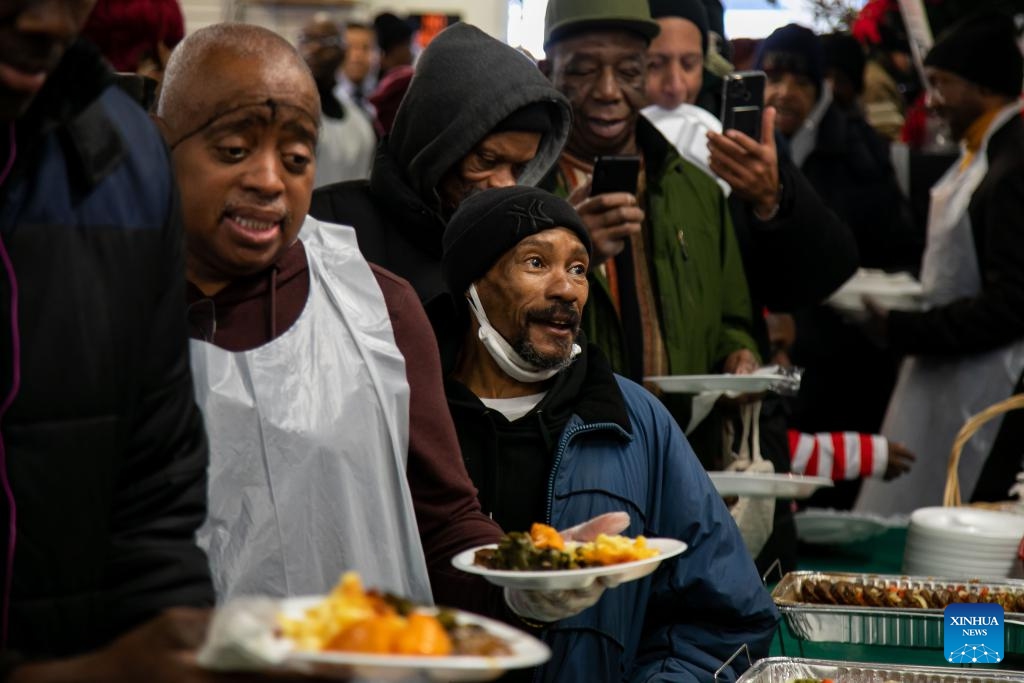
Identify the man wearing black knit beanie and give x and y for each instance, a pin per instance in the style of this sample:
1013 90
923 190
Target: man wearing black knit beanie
966 351
549 433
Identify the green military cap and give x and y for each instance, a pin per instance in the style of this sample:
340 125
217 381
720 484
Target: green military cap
567 17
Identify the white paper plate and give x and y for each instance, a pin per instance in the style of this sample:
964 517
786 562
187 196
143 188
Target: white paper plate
928 549
896 291
933 568
825 527
567 579
527 651
743 384
762 485
980 525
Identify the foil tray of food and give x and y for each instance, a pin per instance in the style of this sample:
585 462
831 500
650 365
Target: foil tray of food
795 670
886 609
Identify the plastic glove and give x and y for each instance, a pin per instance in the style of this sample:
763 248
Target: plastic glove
553 605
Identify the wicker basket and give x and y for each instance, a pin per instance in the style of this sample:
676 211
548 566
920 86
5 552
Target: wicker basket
951 497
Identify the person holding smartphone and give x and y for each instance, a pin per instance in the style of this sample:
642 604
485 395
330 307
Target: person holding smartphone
669 296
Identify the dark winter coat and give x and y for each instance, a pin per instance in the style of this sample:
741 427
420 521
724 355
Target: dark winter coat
103 446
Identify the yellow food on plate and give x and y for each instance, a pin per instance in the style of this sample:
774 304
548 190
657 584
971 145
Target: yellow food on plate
543 549
615 550
355 620
351 619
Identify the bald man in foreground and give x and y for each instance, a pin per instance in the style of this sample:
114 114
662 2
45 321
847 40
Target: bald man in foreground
328 451
325 452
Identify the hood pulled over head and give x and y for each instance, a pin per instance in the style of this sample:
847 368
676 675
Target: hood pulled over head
466 83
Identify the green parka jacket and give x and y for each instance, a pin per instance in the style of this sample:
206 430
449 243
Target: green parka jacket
701 291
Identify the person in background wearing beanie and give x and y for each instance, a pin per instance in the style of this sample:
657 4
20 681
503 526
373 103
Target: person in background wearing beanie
549 433
966 351
795 250
675 57
500 122
669 294
347 141
848 166
793 257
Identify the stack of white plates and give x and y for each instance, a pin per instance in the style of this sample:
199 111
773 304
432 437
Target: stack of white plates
965 543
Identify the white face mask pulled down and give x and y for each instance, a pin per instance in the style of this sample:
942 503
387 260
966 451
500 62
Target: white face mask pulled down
511 363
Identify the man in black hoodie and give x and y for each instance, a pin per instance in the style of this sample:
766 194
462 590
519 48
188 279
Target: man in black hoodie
478 114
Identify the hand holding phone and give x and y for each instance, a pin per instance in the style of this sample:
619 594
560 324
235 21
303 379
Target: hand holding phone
615 174
609 206
743 102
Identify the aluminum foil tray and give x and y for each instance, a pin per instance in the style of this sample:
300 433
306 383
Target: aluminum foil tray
786 669
897 626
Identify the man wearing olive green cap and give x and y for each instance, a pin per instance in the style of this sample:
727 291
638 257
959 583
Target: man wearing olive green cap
669 295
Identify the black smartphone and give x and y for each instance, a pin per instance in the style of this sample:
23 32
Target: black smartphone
615 174
743 102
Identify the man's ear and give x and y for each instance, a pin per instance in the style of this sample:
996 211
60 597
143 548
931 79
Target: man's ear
545 67
161 124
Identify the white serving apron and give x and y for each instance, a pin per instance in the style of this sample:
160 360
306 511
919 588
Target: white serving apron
934 396
308 443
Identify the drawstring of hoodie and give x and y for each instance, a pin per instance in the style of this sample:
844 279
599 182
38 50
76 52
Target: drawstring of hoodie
490 463
549 445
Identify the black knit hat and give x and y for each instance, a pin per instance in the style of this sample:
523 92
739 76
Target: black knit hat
793 49
536 117
983 50
691 10
488 224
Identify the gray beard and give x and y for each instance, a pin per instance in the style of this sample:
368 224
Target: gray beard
528 352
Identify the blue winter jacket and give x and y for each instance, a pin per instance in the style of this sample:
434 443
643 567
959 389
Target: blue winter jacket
691 615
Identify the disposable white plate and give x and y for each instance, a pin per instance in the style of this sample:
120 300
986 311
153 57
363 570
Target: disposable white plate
897 291
743 384
979 524
927 546
527 651
960 539
567 579
761 485
927 568
837 526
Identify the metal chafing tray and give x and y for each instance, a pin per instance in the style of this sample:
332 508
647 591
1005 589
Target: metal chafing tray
785 669
897 626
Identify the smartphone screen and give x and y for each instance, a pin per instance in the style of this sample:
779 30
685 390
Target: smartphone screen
615 174
743 101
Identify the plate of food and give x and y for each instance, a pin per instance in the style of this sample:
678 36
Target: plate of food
738 384
366 634
766 485
542 560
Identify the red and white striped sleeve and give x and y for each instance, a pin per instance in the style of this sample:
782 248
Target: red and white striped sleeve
838 455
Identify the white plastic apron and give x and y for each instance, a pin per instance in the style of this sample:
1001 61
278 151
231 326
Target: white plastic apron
935 396
308 443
